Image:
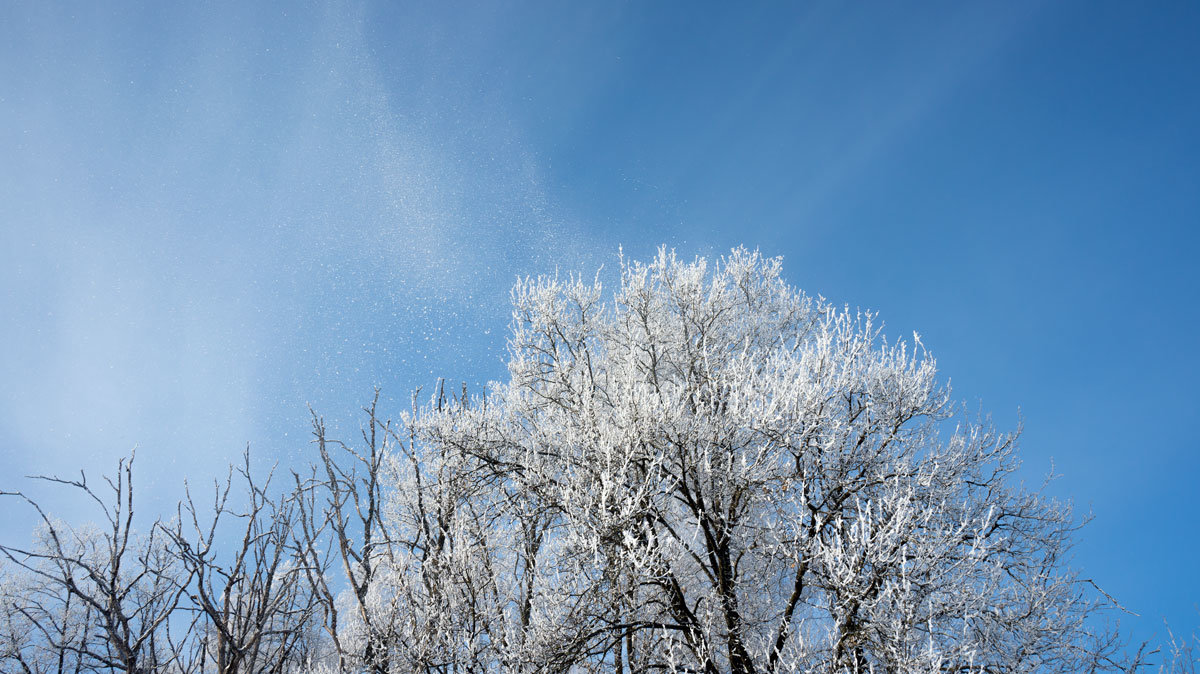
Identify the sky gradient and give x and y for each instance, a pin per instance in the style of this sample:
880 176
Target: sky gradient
214 215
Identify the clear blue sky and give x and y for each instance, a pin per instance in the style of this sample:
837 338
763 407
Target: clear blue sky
212 215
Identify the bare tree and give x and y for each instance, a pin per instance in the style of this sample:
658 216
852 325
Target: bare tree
251 602
126 585
341 525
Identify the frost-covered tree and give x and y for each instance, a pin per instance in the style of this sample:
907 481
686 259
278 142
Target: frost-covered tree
43 628
724 474
706 471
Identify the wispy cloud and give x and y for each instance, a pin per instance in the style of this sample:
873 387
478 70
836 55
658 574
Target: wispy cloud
207 230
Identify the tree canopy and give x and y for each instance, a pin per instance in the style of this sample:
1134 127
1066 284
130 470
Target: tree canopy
709 471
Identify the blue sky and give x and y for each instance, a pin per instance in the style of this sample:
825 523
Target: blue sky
213 215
